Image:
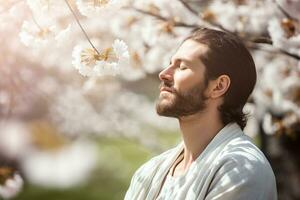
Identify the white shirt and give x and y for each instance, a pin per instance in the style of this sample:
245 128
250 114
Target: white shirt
231 167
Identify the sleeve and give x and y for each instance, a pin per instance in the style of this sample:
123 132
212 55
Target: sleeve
242 180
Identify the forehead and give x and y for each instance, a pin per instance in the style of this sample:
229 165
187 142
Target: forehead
191 50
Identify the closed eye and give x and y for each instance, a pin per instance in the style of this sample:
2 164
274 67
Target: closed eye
182 67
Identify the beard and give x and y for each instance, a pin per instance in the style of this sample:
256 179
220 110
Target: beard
178 104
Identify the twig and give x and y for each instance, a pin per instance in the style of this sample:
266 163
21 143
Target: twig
35 22
285 13
178 24
290 54
280 51
189 7
261 40
185 4
79 24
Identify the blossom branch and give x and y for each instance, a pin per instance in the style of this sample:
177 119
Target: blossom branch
263 40
251 42
79 24
254 40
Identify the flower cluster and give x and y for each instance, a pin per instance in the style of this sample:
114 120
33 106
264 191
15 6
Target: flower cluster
285 34
108 61
91 8
34 35
277 94
10 183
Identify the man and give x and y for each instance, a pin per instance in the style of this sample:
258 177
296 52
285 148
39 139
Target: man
206 86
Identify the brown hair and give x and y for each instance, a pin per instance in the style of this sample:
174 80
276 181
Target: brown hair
228 55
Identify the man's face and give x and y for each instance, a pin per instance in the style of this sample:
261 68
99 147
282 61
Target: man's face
182 90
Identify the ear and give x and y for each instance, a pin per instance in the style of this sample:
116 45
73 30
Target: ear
219 86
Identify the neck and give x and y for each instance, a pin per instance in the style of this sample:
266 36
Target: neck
197 132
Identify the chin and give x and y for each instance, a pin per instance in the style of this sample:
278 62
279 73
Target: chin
166 113
164 108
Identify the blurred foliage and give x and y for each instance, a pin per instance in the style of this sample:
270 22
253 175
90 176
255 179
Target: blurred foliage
120 159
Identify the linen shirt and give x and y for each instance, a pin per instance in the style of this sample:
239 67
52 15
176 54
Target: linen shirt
231 167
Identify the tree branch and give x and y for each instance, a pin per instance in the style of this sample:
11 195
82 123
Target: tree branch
260 40
178 24
284 12
250 42
79 24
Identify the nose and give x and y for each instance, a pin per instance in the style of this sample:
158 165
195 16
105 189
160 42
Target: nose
166 74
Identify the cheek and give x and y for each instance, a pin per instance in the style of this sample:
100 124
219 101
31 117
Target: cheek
183 82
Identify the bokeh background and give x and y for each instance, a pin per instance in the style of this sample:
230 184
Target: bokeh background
71 130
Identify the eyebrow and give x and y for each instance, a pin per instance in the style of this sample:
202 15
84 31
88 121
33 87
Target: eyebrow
180 60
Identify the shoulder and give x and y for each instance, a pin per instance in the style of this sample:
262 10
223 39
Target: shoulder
243 150
244 163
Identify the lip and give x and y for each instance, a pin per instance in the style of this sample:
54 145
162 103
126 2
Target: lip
165 89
